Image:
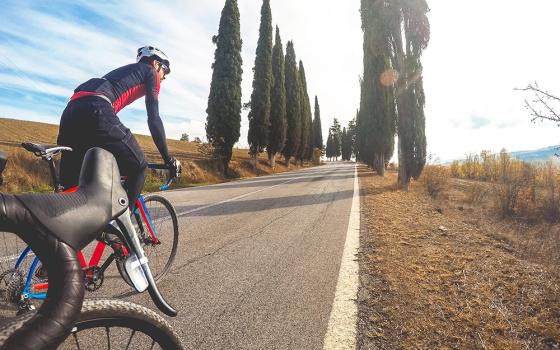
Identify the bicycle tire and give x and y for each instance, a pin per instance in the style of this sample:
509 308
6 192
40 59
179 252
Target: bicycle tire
106 314
164 232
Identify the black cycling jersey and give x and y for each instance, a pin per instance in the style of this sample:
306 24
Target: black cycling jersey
123 86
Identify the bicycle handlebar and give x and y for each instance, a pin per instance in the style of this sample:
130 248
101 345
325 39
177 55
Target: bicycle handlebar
158 166
63 304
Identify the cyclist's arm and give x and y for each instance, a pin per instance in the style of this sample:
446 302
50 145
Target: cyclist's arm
154 121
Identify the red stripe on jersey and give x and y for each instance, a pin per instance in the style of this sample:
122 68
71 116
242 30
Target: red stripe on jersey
158 82
129 96
81 94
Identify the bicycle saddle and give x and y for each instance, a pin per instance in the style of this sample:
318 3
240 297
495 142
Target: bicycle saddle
41 150
77 218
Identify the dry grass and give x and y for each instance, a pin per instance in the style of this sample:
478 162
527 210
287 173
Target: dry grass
25 172
441 274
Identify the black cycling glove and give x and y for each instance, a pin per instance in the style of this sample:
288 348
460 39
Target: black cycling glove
174 168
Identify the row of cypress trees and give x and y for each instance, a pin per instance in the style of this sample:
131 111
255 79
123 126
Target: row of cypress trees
392 94
341 143
280 119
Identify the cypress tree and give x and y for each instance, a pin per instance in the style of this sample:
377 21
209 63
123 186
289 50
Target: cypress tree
259 116
415 35
306 129
345 145
278 122
293 105
351 130
395 35
223 122
336 141
329 150
317 130
377 120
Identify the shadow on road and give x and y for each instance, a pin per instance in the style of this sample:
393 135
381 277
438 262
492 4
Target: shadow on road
256 205
276 180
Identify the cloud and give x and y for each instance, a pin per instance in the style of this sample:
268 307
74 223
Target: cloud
73 41
470 70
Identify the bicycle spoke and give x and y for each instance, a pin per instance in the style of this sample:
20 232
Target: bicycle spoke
76 340
108 337
130 339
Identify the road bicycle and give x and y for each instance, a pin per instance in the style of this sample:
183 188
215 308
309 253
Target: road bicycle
155 221
56 226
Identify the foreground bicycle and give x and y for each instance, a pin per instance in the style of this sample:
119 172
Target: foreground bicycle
156 223
56 226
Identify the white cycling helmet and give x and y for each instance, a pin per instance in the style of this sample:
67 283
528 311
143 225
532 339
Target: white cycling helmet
149 51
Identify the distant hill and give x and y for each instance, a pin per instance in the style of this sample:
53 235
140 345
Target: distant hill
538 155
13 132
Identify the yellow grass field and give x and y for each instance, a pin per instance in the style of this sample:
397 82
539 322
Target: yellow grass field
24 172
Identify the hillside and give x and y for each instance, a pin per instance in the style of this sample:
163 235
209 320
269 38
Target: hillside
542 154
13 132
25 173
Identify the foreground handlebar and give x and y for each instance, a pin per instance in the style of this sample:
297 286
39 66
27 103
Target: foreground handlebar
126 227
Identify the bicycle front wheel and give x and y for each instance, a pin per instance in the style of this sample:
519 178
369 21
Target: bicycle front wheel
111 324
165 227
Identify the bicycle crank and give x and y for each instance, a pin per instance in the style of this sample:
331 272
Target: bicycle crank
93 278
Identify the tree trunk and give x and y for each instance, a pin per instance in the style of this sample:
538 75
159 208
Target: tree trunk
287 161
379 164
404 177
255 160
272 160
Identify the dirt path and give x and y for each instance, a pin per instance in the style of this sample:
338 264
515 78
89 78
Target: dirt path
433 279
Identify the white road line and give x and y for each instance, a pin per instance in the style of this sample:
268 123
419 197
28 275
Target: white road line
341 331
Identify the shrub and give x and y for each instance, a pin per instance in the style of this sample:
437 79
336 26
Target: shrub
551 202
317 153
435 178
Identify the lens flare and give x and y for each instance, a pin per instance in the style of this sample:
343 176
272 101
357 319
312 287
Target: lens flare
389 77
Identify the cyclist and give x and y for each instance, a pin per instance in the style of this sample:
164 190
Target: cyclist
90 120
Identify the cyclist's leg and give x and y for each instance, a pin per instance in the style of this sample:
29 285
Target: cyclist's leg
132 162
76 130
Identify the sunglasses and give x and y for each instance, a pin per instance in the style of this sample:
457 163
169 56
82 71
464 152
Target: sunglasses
165 69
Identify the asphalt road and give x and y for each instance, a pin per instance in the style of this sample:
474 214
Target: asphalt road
258 260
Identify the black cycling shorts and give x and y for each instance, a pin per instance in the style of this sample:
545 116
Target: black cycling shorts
91 122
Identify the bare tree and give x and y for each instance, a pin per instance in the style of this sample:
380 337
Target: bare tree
543 105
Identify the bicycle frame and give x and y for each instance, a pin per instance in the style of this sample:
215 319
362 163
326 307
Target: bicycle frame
141 214
37 291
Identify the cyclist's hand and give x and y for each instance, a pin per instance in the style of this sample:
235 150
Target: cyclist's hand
174 168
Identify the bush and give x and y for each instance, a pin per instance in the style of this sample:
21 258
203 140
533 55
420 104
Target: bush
435 178
317 153
551 202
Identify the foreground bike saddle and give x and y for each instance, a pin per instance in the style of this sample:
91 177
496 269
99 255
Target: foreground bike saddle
55 226
77 218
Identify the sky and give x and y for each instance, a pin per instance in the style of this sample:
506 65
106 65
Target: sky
478 53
